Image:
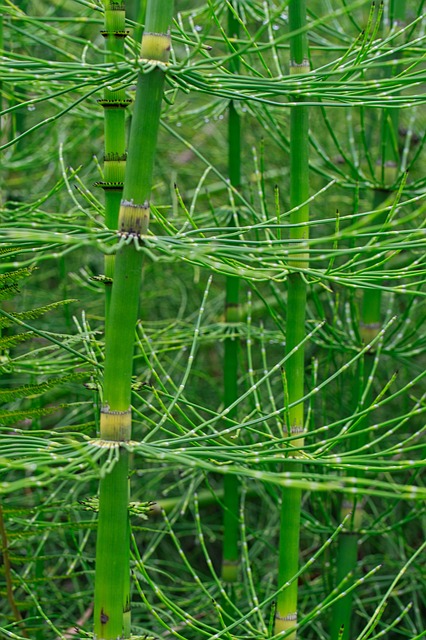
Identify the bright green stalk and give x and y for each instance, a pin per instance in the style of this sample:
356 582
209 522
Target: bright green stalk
230 560
134 212
112 542
286 612
111 551
114 103
370 325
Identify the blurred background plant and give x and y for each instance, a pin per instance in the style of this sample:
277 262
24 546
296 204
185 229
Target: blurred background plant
364 344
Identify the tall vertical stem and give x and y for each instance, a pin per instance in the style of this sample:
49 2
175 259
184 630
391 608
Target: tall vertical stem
114 103
370 325
286 611
230 562
110 619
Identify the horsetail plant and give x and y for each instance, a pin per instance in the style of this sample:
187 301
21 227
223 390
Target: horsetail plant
114 103
111 610
50 458
286 608
370 326
230 562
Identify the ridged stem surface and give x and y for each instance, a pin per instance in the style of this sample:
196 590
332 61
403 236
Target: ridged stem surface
114 103
112 610
286 610
111 551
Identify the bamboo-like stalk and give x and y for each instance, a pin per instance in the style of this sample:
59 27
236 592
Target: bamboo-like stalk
114 103
286 610
230 555
110 622
370 325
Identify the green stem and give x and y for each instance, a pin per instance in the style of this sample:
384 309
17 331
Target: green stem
397 12
112 609
370 325
114 102
347 556
286 611
230 559
347 551
139 11
111 551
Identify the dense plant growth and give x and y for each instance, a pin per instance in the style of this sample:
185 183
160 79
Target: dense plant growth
212 309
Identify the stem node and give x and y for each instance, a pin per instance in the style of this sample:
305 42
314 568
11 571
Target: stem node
116 425
133 218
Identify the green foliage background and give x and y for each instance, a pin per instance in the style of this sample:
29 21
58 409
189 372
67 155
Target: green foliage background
53 240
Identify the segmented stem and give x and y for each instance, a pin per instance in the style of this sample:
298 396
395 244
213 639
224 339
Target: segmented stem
286 611
114 102
112 608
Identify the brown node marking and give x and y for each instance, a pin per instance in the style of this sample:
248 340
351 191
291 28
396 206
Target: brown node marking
115 157
133 218
127 605
105 409
114 104
116 34
116 6
299 65
104 617
110 186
